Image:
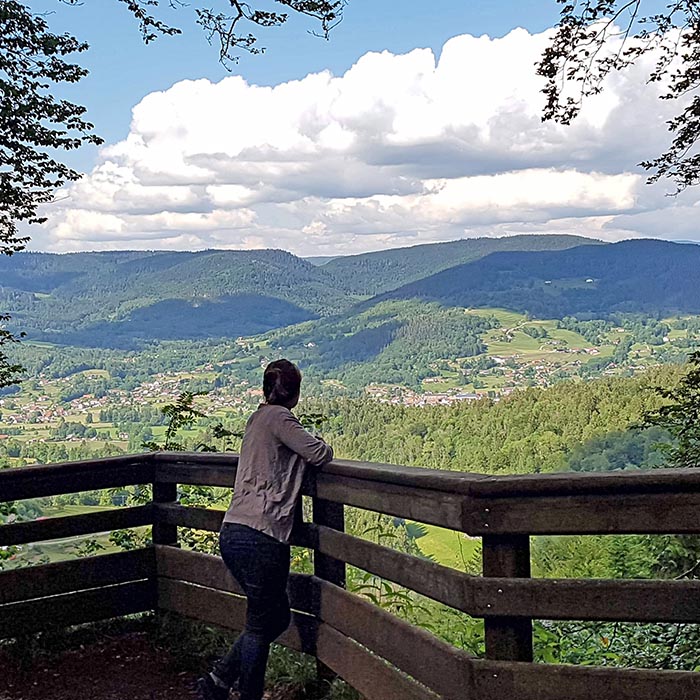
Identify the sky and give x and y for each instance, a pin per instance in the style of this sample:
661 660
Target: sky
408 126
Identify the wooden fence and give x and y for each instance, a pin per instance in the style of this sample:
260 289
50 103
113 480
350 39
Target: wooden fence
384 657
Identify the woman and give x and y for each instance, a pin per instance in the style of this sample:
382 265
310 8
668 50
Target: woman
255 535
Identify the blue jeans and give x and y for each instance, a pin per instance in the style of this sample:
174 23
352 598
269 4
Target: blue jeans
260 564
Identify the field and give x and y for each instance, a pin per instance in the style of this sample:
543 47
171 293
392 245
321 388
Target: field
68 547
449 548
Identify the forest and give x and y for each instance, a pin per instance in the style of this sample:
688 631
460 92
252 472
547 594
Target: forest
493 363
124 300
581 426
534 430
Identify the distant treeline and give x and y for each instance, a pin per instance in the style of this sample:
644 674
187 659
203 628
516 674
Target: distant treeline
127 299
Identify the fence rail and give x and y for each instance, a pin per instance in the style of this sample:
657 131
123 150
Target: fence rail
381 655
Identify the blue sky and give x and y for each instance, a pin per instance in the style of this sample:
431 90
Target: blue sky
407 127
123 69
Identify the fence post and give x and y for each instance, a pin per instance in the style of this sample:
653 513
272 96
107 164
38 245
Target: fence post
327 568
164 533
507 638
331 515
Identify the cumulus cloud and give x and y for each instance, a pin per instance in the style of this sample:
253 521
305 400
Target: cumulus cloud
398 150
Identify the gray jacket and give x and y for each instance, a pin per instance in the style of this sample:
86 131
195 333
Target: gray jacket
271 467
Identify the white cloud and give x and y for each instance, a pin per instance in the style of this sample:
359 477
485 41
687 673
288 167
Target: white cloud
399 150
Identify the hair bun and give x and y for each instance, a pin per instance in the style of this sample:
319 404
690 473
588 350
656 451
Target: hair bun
281 382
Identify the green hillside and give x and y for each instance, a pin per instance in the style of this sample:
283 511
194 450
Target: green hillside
122 298
637 276
395 342
125 298
427 346
374 273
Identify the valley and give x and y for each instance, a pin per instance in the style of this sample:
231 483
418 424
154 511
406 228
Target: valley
411 375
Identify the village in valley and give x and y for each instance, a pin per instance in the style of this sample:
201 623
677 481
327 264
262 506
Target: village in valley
94 411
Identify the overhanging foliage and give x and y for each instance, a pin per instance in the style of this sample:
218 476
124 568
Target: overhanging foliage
580 54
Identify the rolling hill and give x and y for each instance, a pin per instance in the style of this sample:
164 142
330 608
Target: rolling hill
375 273
124 298
636 276
127 297
292 307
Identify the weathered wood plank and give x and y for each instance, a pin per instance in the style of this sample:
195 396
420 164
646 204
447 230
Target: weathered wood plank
426 506
74 525
485 485
220 459
545 599
589 599
496 680
76 608
196 467
595 513
223 466
487 504
436 664
189 516
227 610
204 604
412 477
572 484
210 571
435 581
195 567
68 576
218 469
71 477
205 469
662 513
365 672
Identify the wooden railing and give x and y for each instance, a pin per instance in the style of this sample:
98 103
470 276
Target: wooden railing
384 657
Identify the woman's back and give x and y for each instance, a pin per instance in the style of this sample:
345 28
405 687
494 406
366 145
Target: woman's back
271 469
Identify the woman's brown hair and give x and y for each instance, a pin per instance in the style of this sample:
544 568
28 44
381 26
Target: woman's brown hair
281 382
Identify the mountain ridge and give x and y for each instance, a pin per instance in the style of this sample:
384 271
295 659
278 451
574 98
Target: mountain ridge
379 271
108 296
637 275
133 297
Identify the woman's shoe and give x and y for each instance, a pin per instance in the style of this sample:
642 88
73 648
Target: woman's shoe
208 690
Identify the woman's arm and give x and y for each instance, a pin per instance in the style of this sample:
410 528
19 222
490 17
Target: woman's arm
312 449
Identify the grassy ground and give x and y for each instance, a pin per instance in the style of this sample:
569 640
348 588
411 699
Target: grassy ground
69 509
66 548
448 547
507 319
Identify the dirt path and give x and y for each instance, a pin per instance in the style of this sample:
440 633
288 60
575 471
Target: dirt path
123 667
